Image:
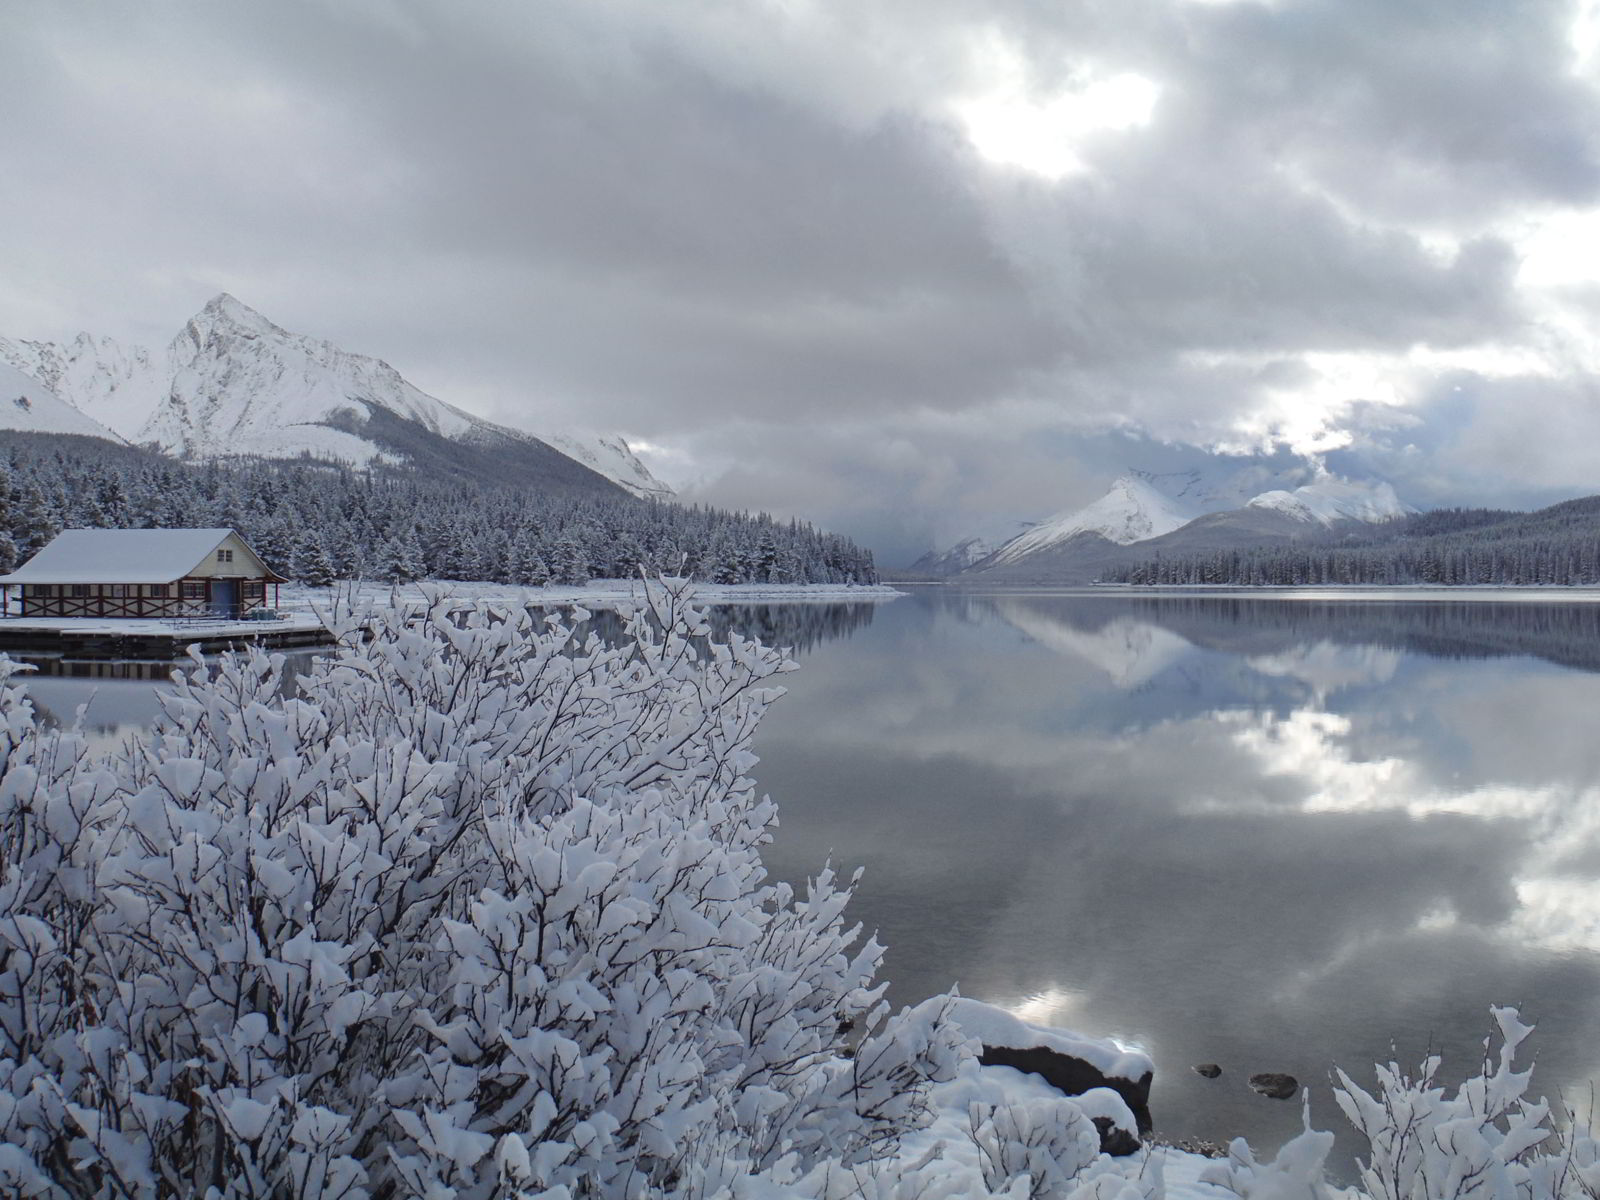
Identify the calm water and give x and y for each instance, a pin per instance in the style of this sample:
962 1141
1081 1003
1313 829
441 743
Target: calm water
1271 834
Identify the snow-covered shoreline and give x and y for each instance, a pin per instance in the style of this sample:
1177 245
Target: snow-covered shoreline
1487 592
599 593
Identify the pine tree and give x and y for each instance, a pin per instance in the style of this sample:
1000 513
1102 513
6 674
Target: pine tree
312 565
401 559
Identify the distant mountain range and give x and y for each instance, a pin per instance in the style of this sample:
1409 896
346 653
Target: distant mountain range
233 384
1146 515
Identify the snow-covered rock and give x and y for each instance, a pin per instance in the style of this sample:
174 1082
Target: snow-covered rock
1072 1063
234 383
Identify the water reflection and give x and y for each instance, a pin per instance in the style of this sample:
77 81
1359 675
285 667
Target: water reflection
113 699
121 697
1269 834
798 627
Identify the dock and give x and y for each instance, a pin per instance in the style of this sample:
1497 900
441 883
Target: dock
156 639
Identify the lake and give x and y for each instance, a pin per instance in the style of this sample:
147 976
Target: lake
1270 833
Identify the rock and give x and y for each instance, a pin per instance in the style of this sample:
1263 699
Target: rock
1209 1070
1274 1086
1072 1063
1113 1121
1118 1143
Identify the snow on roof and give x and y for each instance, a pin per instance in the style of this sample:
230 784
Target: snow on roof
119 556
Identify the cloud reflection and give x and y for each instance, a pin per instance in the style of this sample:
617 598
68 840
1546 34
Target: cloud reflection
1273 836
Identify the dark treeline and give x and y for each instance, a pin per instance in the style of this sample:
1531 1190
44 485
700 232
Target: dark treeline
1559 545
318 522
795 627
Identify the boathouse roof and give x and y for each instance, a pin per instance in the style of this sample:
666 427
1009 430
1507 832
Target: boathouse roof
127 556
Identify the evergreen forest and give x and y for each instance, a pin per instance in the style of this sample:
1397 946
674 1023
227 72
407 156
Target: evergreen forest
1555 546
316 522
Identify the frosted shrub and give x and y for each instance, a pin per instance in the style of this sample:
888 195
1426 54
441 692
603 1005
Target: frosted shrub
1048 1141
1484 1140
1294 1173
480 912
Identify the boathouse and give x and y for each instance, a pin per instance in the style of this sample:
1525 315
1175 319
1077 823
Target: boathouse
142 573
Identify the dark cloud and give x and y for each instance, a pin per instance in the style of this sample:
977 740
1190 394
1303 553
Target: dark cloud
762 237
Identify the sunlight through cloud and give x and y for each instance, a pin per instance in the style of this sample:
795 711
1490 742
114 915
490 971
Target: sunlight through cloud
1009 123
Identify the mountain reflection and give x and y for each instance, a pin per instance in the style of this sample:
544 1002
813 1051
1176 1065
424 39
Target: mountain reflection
1563 633
1271 834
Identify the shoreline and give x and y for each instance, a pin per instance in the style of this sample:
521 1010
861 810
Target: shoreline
596 593
1506 592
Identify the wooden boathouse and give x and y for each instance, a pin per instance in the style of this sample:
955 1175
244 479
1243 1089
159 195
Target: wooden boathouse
142 573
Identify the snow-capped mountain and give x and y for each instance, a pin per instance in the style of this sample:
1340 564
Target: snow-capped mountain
954 560
233 383
29 407
1180 512
1132 511
1328 499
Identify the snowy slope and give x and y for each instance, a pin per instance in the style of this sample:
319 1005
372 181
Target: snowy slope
612 458
234 383
1131 511
1329 499
955 559
28 406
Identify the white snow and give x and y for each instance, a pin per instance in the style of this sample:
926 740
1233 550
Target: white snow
1131 511
612 457
996 1027
115 385
27 405
597 592
1330 498
233 383
207 627
119 556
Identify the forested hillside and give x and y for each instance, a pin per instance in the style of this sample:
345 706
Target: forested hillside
316 521
1559 545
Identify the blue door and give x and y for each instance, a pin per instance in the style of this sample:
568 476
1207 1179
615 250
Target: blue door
225 597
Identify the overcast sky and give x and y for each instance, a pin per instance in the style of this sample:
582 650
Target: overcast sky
910 268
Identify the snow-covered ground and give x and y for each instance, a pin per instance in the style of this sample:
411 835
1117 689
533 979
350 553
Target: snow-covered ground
597 592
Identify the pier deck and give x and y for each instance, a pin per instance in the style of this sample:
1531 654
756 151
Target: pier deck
92 636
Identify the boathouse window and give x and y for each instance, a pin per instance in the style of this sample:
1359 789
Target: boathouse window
224 555
194 589
80 589
159 589
253 589
118 590
44 590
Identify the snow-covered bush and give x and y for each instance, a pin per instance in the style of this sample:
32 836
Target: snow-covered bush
480 910
1294 1173
1486 1139
1050 1141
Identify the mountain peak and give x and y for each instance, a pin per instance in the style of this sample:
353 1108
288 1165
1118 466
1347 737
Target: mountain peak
1130 511
224 309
